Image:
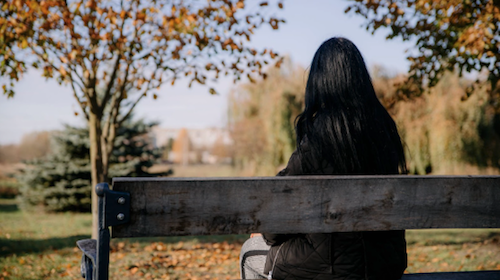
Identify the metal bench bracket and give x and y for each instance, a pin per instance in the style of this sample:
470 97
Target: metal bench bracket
116 205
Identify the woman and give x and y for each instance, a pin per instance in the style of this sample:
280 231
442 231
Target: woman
343 130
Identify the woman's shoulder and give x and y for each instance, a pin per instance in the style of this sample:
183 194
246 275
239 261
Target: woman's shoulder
294 166
299 157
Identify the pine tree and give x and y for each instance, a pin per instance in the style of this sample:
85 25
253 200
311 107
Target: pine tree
61 180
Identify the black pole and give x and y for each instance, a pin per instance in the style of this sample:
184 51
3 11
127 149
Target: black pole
103 237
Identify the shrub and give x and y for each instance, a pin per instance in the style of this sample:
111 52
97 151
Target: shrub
9 188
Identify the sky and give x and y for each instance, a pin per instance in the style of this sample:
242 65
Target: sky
45 105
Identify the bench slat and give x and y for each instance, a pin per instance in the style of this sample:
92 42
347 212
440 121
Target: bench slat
209 206
464 275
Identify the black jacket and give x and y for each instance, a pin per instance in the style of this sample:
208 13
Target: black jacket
346 256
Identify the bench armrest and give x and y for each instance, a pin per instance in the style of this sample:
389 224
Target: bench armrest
89 250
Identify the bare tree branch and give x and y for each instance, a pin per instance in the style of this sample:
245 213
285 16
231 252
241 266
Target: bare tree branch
120 122
107 94
80 102
73 69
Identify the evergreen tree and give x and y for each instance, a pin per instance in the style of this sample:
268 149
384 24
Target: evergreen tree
61 180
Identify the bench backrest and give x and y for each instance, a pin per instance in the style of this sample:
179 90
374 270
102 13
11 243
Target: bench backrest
140 207
209 206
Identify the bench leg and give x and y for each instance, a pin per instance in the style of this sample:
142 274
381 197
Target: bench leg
87 268
103 254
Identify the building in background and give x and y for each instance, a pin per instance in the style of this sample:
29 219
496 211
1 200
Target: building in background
193 146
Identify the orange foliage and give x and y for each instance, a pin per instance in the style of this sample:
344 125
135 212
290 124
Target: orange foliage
115 53
450 35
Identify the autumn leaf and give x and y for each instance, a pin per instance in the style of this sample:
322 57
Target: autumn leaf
250 78
140 16
278 63
62 71
24 44
72 54
133 269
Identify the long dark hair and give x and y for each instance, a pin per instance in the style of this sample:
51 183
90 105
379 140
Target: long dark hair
343 125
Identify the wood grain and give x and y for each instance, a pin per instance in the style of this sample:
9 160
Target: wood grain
303 204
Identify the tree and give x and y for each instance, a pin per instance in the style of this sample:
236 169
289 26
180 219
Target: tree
443 134
125 47
60 181
462 35
33 145
262 126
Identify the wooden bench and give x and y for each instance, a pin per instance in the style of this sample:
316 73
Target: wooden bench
146 207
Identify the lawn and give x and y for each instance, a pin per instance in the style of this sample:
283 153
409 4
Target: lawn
42 246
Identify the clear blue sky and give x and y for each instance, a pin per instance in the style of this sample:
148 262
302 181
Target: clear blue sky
40 105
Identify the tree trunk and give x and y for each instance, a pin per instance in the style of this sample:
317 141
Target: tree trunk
97 167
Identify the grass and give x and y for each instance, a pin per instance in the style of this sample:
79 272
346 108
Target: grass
27 232
37 245
453 250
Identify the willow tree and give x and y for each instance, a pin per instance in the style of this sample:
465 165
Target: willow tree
113 53
262 126
450 35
